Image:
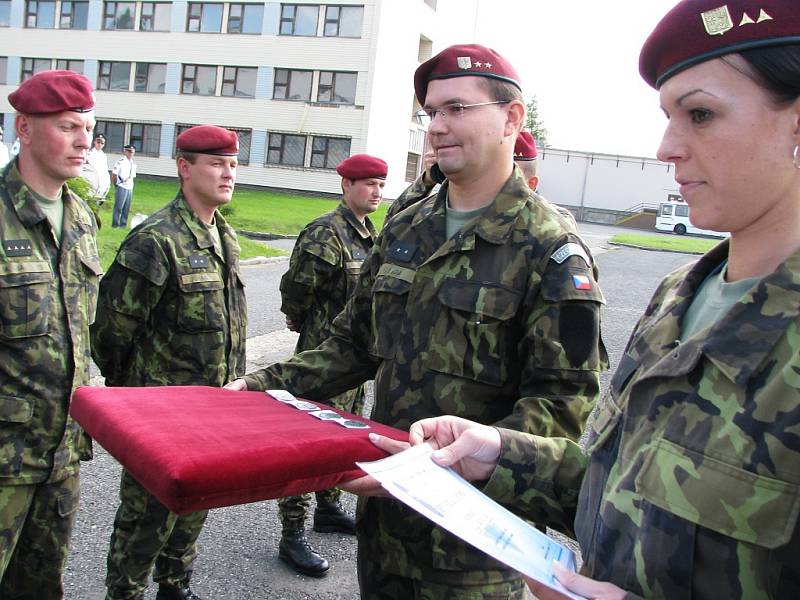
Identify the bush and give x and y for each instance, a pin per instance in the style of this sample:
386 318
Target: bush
226 210
83 188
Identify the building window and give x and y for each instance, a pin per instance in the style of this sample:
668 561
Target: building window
299 19
199 79
412 166
5 13
70 65
150 77
239 82
245 137
74 15
114 76
245 18
156 16
327 152
204 17
119 15
41 15
114 132
292 85
146 138
31 66
337 88
284 149
343 21
3 69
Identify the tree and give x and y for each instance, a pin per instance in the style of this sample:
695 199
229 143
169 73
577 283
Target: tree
534 124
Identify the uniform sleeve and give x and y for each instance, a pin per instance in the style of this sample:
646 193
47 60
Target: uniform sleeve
315 259
538 478
419 190
342 361
560 350
129 291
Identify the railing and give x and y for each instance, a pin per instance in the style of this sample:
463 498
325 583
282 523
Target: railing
641 207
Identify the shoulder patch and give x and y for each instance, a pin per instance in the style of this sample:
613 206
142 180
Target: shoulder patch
570 249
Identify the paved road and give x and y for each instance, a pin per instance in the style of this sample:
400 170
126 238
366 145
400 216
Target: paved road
238 547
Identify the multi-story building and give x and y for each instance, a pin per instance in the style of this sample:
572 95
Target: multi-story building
304 83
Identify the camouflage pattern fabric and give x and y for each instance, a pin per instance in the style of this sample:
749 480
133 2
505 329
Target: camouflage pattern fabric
33 562
691 486
417 191
323 273
145 530
490 325
377 584
171 311
48 294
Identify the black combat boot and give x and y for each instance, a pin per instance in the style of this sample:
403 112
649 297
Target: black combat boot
167 591
330 517
295 551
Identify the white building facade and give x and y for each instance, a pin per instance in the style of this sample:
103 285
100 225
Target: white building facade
305 84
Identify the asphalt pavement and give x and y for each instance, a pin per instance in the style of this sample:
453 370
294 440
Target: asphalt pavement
238 547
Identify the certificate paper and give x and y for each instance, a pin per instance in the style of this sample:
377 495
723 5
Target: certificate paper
454 504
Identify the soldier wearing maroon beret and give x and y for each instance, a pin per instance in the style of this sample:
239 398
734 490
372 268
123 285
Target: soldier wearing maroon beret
49 270
690 486
323 273
172 311
480 301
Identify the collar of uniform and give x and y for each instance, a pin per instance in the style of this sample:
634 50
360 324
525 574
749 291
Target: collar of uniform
28 211
193 222
365 229
78 219
496 223
739 342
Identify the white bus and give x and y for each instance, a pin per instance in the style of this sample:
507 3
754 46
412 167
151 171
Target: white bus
674 216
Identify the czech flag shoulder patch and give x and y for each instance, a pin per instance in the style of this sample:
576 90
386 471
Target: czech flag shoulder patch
582 282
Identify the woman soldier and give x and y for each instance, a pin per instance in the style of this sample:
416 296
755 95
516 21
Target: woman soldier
691 486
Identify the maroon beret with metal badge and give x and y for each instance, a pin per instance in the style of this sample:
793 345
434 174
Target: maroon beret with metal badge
462 60
698 30
50 92
363 166
208 139
525 148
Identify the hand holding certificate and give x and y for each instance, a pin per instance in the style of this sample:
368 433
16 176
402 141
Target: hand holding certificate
454 504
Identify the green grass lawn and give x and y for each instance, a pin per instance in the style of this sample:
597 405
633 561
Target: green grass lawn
677 243
253 210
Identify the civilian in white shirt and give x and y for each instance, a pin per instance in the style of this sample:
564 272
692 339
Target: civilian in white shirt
95 170
123 173
4 157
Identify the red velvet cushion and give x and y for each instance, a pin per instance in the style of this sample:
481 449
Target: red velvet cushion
201 447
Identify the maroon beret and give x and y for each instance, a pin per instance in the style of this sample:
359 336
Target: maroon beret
698 30
525 148
362 166
209 139
461 60
53 92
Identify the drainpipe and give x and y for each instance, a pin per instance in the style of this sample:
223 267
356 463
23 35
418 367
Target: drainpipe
583 189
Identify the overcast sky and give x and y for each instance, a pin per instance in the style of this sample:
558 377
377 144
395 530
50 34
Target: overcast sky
580 58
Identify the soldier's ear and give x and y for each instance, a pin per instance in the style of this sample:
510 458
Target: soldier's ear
23 124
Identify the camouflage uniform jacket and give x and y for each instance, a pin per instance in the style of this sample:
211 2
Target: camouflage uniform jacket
323 272
417 191
48 295
172 309
488 325
692 488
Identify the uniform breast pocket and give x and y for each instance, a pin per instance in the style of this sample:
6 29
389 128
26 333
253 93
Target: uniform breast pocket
472 336
25 299
389 295
92 269
201 305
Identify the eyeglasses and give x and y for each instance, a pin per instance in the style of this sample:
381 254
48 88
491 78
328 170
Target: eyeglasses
449 111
